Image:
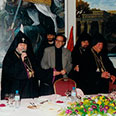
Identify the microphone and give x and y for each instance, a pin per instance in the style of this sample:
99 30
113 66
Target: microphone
25 58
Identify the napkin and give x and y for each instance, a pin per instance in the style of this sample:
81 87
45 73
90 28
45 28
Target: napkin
2 105
80 92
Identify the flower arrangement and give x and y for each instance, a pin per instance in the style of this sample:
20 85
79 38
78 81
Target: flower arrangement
91 106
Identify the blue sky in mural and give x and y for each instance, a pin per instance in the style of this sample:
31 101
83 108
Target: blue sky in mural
102 4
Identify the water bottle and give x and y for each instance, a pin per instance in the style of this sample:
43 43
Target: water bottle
17 99
73 94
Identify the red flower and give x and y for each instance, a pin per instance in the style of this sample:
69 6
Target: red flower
81 103
94 107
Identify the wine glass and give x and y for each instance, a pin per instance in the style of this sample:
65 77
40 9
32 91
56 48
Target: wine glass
11 99
68 94
7 98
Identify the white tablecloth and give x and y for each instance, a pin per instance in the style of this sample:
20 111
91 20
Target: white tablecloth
24 111
49 108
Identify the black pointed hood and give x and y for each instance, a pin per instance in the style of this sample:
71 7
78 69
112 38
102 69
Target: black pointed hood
20 38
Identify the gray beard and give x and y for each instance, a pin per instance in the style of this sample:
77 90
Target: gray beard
20 52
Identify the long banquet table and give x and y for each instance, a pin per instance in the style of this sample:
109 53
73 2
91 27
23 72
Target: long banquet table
46 106
23 110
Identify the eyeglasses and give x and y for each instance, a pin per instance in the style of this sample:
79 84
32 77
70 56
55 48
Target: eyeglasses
59 40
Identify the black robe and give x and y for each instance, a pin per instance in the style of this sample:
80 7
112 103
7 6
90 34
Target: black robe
39 53
14 74
14 77
91 81
78 56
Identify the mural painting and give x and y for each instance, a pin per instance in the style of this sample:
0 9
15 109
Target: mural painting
98 16
40 16
37 17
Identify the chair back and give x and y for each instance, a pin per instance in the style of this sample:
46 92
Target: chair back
61 86
112 87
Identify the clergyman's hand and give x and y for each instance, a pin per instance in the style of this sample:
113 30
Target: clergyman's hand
113 78
76 68
105 75
23 55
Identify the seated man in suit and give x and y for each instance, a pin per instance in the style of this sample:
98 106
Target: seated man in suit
58 59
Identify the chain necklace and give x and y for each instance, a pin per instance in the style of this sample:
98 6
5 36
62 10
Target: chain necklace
99 62
81 50
28 66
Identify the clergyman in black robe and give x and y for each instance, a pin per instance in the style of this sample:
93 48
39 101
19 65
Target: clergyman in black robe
78 56
48 41
97 69
19 70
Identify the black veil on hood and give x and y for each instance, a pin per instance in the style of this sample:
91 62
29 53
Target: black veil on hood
84 36
17 40
100 38
97 38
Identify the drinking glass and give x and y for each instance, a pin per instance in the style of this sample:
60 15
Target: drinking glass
68 94
11 100
7 98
